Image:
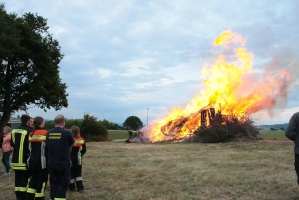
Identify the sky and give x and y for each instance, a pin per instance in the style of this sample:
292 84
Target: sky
143 58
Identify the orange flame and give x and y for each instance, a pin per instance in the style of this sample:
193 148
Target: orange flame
229 87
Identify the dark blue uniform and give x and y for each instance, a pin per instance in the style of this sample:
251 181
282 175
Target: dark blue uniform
59 142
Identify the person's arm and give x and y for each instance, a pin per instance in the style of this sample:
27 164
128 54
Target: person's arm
83 151
291 131
11 141
74 144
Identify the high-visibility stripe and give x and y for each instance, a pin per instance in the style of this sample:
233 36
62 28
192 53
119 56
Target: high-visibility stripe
59 198
78 178
31 190
37 138
18 166
42 192
72 181
43 157
17 189
21 147
23 189
79 156
79 143
39 194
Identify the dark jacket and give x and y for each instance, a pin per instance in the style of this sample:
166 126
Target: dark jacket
19 141
292 131
37 147
59 142
78 151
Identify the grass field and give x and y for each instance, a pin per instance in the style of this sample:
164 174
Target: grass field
118 134
266 134
273 135
177 171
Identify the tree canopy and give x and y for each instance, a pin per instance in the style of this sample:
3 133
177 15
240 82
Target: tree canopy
133 122
29 65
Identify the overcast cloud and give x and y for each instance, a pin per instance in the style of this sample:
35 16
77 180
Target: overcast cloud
122 57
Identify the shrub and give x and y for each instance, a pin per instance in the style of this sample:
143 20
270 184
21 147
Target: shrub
92 130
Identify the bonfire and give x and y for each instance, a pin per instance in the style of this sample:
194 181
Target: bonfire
223 109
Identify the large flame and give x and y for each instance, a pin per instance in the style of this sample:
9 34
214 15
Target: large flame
229 87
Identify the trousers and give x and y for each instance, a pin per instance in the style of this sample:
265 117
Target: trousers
60 176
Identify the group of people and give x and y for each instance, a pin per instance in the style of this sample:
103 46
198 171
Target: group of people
38 154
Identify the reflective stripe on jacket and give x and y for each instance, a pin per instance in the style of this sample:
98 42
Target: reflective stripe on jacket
19 141
37 147
78 151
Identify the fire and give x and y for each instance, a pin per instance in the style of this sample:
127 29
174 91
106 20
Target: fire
230 88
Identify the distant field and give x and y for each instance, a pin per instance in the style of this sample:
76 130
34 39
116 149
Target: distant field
273 135
266 134
118 134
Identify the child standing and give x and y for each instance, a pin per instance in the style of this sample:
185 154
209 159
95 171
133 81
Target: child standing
76 157
6 149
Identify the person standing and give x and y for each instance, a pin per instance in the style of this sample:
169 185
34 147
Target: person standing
58 142
37 162
77 153
19 141
292 132
6 149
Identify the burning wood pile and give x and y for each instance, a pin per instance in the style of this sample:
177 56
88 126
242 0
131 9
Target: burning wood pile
212 128
235 88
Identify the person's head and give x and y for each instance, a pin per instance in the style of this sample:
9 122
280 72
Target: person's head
6 129
25 119
59 121
75 130
38 122
31 122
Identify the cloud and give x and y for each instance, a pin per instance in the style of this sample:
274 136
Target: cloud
122 57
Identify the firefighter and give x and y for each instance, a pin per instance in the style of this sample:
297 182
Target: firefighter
19 141
59 142
37 162
76 157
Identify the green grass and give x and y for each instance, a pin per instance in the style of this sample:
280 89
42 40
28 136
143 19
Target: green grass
266 134
273 135
260 169
118 134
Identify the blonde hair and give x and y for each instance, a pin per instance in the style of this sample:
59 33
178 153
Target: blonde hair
6 129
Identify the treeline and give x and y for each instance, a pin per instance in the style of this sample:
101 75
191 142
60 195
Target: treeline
91 128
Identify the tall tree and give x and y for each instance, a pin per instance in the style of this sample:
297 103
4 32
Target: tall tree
133 122
29 65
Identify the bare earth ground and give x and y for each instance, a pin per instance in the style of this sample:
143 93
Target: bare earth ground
169 171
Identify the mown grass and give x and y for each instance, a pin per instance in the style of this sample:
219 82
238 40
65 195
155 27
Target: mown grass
273 135
266 134
118 134
177 171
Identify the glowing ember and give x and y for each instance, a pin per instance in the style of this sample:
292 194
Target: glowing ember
230 88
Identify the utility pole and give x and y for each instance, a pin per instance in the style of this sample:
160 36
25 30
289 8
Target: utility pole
147 117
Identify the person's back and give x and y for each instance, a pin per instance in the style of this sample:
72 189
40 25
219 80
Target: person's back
59 142
36 162
19 141
77 153
58 145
